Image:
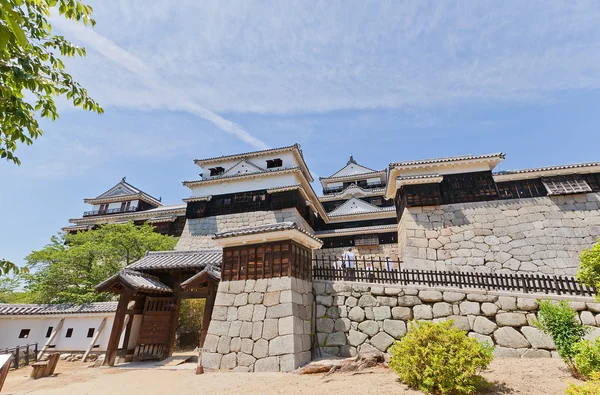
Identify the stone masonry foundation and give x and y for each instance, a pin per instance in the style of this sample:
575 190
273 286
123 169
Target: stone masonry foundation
260 326
355 318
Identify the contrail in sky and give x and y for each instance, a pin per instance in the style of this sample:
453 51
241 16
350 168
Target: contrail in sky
152 80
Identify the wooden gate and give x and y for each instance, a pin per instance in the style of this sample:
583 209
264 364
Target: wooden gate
154 332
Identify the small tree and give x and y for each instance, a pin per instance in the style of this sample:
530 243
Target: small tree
68 269
589 266
559 321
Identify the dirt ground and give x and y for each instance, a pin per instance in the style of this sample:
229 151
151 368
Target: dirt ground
508 376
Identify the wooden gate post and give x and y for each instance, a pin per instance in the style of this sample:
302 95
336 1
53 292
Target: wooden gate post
117 329
174 319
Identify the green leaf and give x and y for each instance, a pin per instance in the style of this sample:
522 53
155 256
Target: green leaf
13 19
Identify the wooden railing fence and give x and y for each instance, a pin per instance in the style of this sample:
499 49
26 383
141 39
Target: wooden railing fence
22 355
390 272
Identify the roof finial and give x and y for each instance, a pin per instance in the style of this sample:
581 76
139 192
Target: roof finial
351 160
160 198
123 179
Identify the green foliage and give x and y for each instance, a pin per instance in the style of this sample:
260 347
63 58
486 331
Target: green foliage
559 321
589 267
191 312
592 387
438 358
7 266
587 357
32 71
67 269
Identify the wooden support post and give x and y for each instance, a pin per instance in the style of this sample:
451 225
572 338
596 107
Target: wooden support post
94 339
51 338
174 313
117 329
128 326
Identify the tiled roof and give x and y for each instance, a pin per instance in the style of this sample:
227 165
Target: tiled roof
156 260
280 226
130 188
361 175
350 162
244 175
549 168
251 153
368 192
417 177
65 308
76 227
364 229
447 159
214 271
137 281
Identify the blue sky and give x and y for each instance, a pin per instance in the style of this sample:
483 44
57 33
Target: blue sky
386 81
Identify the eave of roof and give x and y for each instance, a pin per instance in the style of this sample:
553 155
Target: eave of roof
58 309
146 214
134 281
123 182
357 230
160 260
366 192
467 158
581 168
353 176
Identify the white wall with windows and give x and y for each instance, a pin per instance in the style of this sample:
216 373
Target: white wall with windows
75 335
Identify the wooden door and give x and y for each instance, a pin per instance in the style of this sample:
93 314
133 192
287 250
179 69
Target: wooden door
154 332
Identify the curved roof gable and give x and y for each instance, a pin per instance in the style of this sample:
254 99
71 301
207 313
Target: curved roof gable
352 168
354 206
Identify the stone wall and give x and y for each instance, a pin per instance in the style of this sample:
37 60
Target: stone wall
260 326
354 317
367 252
198 232
543 235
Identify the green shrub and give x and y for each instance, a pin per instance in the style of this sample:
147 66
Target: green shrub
438 358
589 266
559 321
592 387
587 357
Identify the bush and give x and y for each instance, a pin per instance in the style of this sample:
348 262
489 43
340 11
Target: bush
592 387
439 358
589 266
587 357
559 321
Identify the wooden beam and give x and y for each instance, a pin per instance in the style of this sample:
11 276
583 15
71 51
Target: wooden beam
208 309
174 313
51 338
128 325
94 339
117 329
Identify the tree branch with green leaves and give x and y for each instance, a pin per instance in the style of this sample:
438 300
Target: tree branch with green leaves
32 72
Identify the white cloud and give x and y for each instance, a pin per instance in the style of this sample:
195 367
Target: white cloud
296 57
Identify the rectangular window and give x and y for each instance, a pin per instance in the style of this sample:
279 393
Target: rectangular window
69 332
215 171
271 163
90 332
24 334
49 331
566 185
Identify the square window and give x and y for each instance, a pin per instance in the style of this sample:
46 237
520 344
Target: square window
69 332
24 334
90 332
49 331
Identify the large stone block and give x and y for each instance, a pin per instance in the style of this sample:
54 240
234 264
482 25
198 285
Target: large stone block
211 342
402 313
325 325
257 328
507 303
453 297
244 359
351 301
537 338
281 345
382 341
336 339
219 328
229 361
281 310
240 300
356 314
260 349
224 299
367 300
484 326
408 301
511 319
245 312
489 309
342 325
509 337
527 304
247 346
211 360
430 296
269 364
356 338
442 309
470 308
259 313
422 312
246 330
369 327
382 313
394 328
